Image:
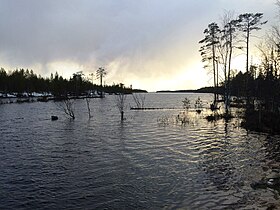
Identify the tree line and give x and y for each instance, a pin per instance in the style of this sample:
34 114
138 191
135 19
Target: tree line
25 80
259 84
220 43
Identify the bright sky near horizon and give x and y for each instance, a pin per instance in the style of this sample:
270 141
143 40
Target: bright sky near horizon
151 44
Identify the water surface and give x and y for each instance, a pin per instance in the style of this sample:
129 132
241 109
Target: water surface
149 161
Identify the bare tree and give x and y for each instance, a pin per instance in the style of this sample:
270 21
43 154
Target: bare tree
270 58
120 101
67 105
139 99
273 46
186 104
88 107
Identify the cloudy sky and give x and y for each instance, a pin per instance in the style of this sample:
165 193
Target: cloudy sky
151 44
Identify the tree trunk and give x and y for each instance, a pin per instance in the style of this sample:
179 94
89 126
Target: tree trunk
214 72
227 99
122 115
247 67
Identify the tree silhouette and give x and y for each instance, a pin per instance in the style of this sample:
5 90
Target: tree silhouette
77 82
247 23
26 81
100 74
209 50
67 105
228 35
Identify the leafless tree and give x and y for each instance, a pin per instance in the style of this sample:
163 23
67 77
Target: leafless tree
139 99
67 105
88 107
186 104
120 101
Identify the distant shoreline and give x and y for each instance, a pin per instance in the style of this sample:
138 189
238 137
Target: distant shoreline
200 90
176 91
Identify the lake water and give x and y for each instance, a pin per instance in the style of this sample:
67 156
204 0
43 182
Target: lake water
149 161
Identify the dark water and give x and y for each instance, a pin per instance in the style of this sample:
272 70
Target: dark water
149 161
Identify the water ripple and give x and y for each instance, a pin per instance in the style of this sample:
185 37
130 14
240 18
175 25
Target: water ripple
103 163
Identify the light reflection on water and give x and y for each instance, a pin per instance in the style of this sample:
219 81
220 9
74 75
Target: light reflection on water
136 164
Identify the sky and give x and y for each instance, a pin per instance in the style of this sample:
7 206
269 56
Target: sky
149 44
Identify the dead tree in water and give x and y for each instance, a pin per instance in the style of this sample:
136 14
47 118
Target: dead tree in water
186 104
88 107
139 99
67 105
120 100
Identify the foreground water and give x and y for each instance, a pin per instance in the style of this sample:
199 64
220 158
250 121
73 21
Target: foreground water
149 161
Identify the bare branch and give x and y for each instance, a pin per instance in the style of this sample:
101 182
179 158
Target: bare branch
67 105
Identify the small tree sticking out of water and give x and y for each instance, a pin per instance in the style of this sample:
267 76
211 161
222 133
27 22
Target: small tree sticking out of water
67 105
186 104
120 100
88 107
139 99
198 105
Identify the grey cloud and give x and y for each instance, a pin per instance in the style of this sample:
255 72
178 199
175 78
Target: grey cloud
46 30
146 37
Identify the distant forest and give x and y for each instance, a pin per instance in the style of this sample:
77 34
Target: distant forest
21 80
264 86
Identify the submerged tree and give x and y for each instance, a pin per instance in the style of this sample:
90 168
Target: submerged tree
120 101
198 105
88 107
139 99
67 105
186 104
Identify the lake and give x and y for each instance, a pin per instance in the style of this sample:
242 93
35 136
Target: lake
149 161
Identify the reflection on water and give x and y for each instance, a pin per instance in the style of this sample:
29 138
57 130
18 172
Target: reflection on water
136 164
